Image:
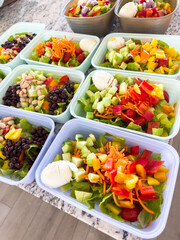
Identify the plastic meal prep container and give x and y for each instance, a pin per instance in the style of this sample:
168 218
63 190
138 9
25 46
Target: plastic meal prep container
170 85
97 25
99 56
19 28
36 121
169 155
156 25
6 71
47 35
75 76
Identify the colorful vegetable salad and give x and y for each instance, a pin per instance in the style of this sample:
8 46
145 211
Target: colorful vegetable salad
39 92
135 55
130 103
2 76
126 182
63 52
90 8
145 9
20 144
14 45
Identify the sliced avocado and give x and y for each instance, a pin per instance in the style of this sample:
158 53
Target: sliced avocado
66 156
79 173
93 178
82 196
78 161
81 144
113 208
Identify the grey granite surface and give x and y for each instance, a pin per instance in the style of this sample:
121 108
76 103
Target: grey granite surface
49 13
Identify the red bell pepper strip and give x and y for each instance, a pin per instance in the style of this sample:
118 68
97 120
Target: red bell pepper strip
132 168
152 125
6 130
166 96
152 166
95 12
21 156
146 87
117 109
148 115
138 81
72 10
146 154
48 80
148 190
109 164
64 79
122 192
135 150
148 197
49 44
142 161
139 121
113 174
142 107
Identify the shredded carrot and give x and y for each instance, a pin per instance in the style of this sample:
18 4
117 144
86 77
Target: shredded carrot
109 189
100 174
84 160
115 200
74 143
149 221
104 187
140 69
83 176
87 169
142 204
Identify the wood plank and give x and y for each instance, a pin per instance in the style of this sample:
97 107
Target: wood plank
9 194
96 234
81 231
47 219
20 217
4 210
66 228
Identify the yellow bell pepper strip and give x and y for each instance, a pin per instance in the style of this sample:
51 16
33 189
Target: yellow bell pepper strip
5 165
154 42
163 169
120 177
45 105
131 181
126 204
152 181
140 170
14 134
160 176
1 155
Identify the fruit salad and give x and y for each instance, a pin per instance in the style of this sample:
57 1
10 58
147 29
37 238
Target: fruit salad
135 55
63 52
127 182
14 45
131 103
145 9
90 8
2 76
20 144
39 92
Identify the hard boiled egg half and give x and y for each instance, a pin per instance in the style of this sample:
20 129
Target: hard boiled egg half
103 79
87 44
115 43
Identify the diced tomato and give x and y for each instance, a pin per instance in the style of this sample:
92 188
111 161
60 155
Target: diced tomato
166 96
138 81
66 57
125 119
6 130
148 190
130 113
109 164
117 109
144 95
152 166
142 107
16 48
54 59
148 115
132 168
113 174
124 101
146 87
49 44
64 79
139 121
135 150
80 58
154 100
152 125
160 13
142 161
78 51
130 214
121 192
146 154
48 80
143 12
148 197
164 62
135 96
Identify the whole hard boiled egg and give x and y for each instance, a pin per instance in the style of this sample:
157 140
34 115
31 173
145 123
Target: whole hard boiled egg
128 10
103 79
87 44
115 43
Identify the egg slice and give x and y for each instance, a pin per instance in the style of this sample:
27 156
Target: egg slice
81 2
128 10
103 79
115 43
56 174
87 44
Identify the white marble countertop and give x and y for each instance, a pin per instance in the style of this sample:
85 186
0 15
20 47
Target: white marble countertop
49 13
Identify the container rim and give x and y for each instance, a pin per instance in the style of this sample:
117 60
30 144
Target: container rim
83 18
144 19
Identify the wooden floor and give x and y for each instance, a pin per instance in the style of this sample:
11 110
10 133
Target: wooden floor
25 217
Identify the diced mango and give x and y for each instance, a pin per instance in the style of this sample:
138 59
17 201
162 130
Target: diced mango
140 170
120 177
153 51
154 43
172 52
152 181
159 70
120 162
167 5
170 63
163 169
96 164
147 46
160 176
6 57
103 157
151 59
172 115
137 58
160 54
152 65
126 204
131 181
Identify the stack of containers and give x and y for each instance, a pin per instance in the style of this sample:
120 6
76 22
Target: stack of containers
85 126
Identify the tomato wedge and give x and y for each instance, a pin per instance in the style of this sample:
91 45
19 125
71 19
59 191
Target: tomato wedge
129 214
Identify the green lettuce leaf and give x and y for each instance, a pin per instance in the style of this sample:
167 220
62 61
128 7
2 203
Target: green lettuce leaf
134 127
57 158
156 156
25 125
